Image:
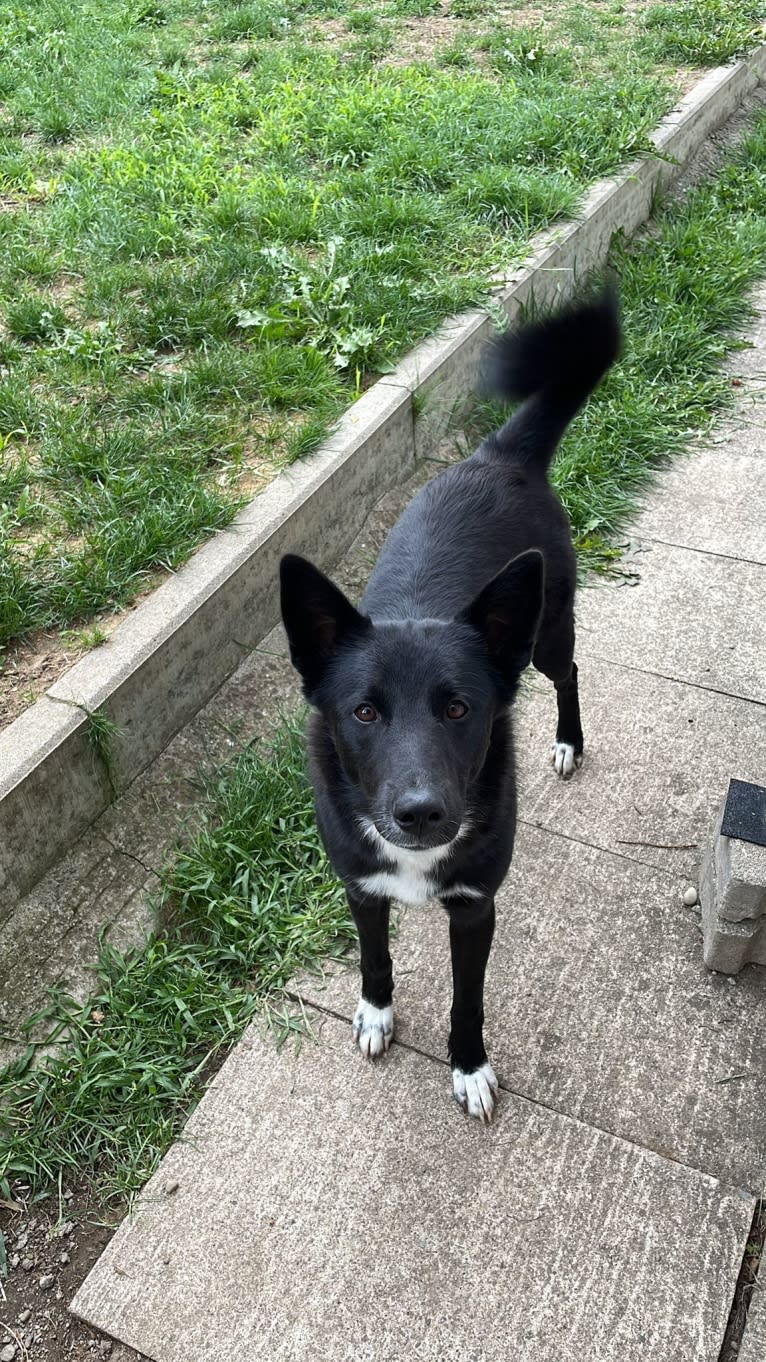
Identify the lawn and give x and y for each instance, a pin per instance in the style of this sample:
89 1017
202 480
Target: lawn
221 221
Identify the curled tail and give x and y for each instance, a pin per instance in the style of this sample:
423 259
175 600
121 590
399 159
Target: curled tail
552 366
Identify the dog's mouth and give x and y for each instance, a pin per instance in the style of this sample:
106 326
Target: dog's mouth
383 834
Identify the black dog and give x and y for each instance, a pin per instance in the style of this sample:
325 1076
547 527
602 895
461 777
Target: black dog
411 753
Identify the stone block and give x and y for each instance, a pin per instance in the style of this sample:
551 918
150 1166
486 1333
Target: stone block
733 883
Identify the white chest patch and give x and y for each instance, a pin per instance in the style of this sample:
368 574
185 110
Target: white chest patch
411 875
408 885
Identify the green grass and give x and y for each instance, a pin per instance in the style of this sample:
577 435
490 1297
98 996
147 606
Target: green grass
220 222
250 900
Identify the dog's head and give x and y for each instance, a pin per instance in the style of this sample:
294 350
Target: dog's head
410 704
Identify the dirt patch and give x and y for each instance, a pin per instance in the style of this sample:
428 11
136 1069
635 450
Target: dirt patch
32 666
29 668
50 1247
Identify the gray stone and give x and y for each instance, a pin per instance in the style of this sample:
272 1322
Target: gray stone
658 757
714 499
733 897
741 876
753 1347
52 785
339 1210
598 1006
694 617
54 934
444 371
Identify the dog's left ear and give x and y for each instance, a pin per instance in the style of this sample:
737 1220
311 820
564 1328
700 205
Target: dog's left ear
507 612
317 617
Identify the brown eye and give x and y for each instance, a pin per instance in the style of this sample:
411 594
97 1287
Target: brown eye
366 714
456 710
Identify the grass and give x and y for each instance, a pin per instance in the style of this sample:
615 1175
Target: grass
251 897
220 222
250 900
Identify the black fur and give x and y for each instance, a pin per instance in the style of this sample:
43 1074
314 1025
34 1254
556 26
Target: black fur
411 743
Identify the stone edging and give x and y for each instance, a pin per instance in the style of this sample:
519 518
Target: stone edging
167 658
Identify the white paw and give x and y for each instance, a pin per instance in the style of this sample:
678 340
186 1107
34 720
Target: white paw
372 1028
476 1092
565 759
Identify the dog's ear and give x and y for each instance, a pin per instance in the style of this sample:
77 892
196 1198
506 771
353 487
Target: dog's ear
317 618
507 612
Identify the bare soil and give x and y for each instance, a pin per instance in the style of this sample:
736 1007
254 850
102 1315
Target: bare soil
50 1246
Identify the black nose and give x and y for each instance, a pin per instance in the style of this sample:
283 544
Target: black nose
419 812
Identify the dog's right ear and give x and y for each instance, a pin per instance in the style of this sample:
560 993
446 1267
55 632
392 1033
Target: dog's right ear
317 617
507 613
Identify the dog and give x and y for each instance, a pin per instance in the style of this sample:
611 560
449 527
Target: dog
410 743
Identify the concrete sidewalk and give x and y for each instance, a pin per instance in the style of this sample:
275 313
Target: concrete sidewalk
328 1208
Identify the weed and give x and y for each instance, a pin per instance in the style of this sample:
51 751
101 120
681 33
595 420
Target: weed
85 638
101 732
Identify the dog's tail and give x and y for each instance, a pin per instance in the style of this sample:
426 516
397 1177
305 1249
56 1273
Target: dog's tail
552 366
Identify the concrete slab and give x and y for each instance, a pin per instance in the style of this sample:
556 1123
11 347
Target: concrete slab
691 616
713 500
598 1006
753 1347
662 753
327 1208
55 932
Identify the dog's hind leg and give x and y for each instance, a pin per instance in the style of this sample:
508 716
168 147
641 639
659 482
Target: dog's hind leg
373 1026
554 657
471 928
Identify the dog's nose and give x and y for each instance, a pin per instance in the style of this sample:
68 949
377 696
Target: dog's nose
419 812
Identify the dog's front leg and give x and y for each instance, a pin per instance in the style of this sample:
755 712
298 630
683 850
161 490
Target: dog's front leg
373 1024
471 927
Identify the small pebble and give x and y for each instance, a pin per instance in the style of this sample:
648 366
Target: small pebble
690 896
171 1187
45 1283
24 1316
8 1353
27 1264
105 1347
64 1258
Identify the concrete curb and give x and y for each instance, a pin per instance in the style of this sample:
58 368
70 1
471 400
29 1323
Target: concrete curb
166 660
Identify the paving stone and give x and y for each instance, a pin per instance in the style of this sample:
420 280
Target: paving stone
54 935
713 499
753 1347
536 1237
658 758
693 617
598 1005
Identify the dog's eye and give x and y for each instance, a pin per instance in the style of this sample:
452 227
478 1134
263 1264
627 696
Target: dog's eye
456 710
366 714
